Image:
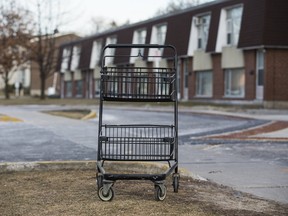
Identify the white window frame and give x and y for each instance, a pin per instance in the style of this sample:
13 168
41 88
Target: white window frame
228 88
96 53
199 83
195 32
68 89
161 31
75 57
232 20
110 51
139 37
158 36
223 31
97 87
65 59
202 24
79 94
260 66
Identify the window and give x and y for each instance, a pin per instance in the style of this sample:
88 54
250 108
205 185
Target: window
157 37
161 34
96 53
234 82
139 37
97 88
68 89
65 59
158 34
110 52
204 83
75 58
260 68
186 72
202 23
233 24
79 88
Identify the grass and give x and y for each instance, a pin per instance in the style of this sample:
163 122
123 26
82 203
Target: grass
48 101
74 192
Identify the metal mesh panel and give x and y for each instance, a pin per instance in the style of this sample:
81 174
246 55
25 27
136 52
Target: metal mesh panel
138 83
137 142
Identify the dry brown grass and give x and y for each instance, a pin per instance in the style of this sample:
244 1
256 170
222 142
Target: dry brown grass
73 192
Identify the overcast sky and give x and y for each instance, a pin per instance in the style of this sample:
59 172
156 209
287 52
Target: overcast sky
118 10
79 13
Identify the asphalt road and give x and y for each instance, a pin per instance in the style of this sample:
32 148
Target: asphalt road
258 167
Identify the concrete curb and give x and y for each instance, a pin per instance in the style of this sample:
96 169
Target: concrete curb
91 115
46 166
147 167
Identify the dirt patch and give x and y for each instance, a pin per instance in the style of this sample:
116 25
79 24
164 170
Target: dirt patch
71 113
73 192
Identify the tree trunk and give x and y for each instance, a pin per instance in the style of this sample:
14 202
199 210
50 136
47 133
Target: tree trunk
6 81
42 81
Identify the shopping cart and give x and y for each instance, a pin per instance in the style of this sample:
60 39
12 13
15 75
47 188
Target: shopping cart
138 73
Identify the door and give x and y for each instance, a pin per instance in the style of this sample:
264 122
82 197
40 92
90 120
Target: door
260 75
185 78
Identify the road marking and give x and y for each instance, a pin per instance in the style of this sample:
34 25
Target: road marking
5 118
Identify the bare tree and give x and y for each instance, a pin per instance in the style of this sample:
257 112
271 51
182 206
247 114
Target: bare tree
100 24
43 46
176 5
14 38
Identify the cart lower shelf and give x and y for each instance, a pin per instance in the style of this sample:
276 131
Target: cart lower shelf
137 142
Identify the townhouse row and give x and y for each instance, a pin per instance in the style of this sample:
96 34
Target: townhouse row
233 51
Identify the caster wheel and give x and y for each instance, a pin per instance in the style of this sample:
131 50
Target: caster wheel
176 183
160 195
105 197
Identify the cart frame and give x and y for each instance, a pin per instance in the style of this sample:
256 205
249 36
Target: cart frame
138 142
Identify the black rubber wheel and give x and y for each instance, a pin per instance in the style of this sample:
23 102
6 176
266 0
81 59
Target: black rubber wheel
159 194
176 183
105 197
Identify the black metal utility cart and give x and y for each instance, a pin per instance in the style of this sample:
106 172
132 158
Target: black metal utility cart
143 78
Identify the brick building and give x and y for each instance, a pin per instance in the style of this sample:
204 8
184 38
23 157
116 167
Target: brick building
53 79
229 51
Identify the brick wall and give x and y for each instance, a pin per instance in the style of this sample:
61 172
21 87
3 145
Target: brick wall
191 80
250 74
276 75
218 77
35 78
